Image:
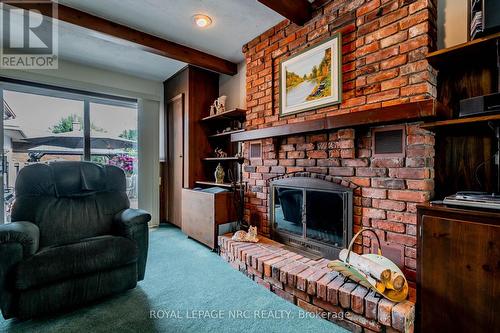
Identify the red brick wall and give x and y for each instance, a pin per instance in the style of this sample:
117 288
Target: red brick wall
384 48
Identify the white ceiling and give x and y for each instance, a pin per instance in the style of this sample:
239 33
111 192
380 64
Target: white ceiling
235 23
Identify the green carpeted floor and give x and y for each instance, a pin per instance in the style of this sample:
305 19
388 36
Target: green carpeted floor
193 290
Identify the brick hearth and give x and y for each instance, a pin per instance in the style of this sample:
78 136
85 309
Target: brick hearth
384 64
312 286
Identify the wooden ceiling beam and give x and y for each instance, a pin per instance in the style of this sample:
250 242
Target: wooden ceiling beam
124 35
317 4
297 11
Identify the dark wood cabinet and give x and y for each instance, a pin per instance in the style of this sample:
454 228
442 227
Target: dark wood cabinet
458 273
188 96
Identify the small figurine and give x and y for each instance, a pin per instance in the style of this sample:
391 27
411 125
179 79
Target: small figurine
220 153
220 104
219 174
243 236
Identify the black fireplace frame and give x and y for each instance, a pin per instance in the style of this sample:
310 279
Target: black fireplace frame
312 246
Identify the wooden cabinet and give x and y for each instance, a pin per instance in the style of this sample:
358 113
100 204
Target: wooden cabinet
458 273
203 212
188 96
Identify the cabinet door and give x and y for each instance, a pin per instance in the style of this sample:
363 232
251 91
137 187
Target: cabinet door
175 164
460 276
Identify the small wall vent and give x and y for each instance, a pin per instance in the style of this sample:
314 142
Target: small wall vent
256 150
389 141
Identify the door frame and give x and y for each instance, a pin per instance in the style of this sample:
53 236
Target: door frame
2 156
168 149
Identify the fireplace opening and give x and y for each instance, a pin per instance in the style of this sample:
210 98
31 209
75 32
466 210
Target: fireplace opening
312 215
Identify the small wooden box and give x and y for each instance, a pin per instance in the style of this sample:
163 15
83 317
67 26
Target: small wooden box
203 212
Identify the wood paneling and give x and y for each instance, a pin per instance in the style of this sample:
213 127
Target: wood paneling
204 87
124 35
464 160
297 11
464 153
397 113
472 50
458 272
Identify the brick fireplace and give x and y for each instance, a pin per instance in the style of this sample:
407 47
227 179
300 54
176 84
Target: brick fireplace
384 44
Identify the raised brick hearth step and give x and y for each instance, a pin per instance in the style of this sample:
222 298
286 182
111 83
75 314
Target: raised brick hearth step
312 286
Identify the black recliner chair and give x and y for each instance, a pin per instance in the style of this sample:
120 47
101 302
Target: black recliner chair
73 239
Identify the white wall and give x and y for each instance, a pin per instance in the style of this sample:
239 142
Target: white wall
234 87
452 23
149 95
149 165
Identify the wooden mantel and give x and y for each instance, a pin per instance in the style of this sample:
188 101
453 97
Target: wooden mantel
396 113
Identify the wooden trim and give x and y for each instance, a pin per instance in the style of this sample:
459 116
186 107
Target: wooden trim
297 11
229 114
390 114
461 121
317 4
218 135
123 35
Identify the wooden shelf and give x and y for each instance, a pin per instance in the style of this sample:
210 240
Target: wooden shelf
229 114
225 133
384 115
221 159
467 52
461 121
207 183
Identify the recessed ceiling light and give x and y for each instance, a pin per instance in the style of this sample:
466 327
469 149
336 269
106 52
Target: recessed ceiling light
202 21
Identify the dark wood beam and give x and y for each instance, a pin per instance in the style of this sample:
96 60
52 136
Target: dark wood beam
124 35
297 11
397 113
318 4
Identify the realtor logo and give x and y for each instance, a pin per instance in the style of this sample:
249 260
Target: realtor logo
29 34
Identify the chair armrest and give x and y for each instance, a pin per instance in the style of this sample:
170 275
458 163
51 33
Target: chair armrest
131 217
25 233
133 224
18 240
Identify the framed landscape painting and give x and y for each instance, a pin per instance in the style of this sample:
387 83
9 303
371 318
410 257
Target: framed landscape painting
312 78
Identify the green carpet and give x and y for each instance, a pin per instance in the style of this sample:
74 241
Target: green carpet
193 289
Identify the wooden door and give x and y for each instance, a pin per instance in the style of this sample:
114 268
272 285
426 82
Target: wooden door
175 152
458 275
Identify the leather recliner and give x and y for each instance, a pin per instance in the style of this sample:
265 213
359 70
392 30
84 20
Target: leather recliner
73 239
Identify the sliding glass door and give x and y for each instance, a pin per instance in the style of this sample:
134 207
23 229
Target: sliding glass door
43 125
113 133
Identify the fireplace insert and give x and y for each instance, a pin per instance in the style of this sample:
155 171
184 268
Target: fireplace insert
311 214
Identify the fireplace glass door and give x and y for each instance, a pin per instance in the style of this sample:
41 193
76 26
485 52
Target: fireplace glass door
311 214
288 208
325 217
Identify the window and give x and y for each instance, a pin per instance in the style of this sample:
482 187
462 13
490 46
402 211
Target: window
41 125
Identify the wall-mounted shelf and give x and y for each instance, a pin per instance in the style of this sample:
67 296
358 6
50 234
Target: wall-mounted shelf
229 114
225 133
465 52
383 115
461 121
221 159
207 183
